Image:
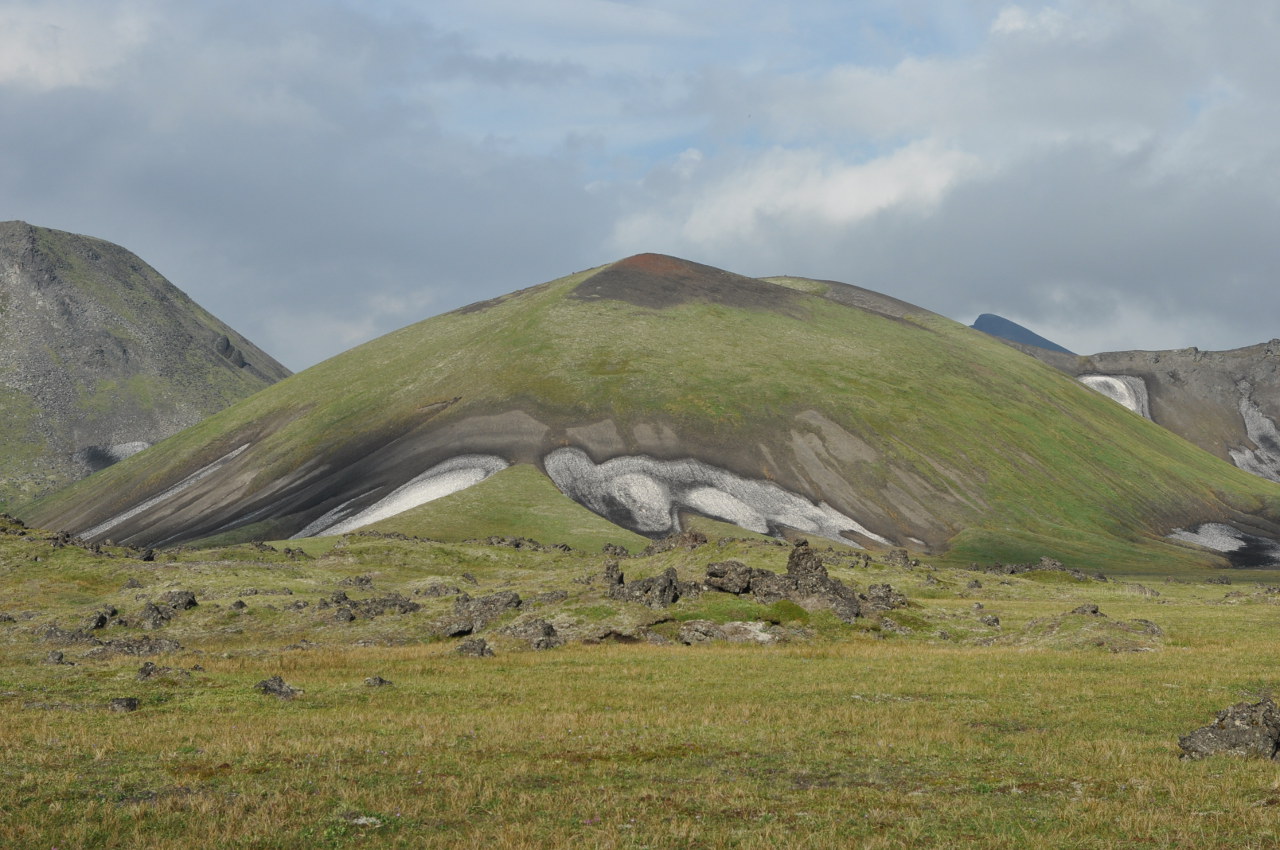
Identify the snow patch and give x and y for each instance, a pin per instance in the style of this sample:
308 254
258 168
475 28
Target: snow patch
1263 461
1126 390
164 496
1242 549
647 495
441 480
1217 536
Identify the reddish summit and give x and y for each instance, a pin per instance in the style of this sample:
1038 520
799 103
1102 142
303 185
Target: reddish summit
659 281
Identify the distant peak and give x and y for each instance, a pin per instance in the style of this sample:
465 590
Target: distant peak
999 326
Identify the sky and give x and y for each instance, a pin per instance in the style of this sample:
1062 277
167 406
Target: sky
320 172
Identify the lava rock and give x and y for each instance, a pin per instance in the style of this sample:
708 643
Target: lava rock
475 648
277 687
1243 729
123 704
700 631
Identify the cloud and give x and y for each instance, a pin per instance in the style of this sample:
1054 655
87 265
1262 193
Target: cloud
320 172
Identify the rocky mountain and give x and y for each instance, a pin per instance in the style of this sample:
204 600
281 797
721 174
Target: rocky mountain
999 326
1226 402
654 392
101 357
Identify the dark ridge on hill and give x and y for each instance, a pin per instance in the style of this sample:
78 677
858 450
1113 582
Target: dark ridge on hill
100 357
999 326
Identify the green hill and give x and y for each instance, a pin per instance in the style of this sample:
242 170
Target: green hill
654 388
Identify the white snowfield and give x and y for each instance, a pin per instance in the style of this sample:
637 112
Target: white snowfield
653 492
166 495
450 476
1126 390
1226 539
1217 536
1264 461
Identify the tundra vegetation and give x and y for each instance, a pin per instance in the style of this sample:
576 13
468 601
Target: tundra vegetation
1029 707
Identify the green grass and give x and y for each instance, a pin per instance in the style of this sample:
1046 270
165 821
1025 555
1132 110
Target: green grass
852 736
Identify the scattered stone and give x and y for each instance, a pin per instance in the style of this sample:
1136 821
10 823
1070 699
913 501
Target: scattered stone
277 687
149 670
100 619
898 558
1217 580
1243 729
437 590
657 591
806 583
52 633
729 577
893 627
123 704
753 631
131 584
1141 590
142 645
475 648
882 597
551 597
974 584
1045 564
377 682
56 656
470 579
472 615
155 616
682 540
613 550
1088 610
343 615
179 600
700 631
363 581
990 620
538 632
239 605
978 606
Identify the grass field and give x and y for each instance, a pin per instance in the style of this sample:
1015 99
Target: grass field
880 733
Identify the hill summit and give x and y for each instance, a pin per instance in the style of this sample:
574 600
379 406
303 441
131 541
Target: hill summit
100 356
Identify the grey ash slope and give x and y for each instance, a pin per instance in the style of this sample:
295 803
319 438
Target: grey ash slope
101 356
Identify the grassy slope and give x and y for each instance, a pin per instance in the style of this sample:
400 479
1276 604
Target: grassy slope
1045 464
857 737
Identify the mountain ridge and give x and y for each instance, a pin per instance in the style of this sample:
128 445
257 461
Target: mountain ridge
101 357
